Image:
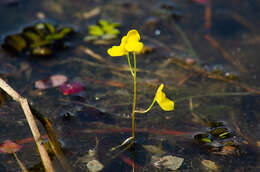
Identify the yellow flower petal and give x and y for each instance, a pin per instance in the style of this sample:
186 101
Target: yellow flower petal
129 43
132 43
134 46
133 34
165 103
118 50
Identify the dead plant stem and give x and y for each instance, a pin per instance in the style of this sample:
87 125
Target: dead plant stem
30 119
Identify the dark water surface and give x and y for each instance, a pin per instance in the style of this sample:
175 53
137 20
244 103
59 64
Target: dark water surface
203 91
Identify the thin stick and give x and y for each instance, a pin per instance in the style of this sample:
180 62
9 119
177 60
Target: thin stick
34 129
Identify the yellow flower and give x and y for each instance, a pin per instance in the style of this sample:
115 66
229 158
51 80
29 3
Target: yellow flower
132 43
118 50
129 43
165 103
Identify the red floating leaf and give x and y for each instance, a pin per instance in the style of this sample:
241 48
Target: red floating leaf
9 147
52 81
72 88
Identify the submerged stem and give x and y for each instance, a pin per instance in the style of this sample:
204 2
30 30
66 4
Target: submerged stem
129 63
134 101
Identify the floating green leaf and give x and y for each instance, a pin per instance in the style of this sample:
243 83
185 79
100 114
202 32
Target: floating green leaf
104 28
95 30
50 28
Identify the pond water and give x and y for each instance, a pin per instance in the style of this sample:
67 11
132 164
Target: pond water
205 53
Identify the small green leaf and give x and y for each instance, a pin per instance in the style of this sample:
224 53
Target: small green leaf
95 30
103 23
32 36
110 30
224 135
207 140
50 28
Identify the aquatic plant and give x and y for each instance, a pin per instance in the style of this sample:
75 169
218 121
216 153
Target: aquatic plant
41 39
104 30
131 44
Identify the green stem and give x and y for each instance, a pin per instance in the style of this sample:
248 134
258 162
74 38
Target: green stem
129 63
134 101
145 111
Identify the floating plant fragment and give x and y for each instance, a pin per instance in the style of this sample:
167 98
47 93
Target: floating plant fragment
102 33
9 147
218 139
209 165
95 166
40 39
72 88
169 162
109 28
52 81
